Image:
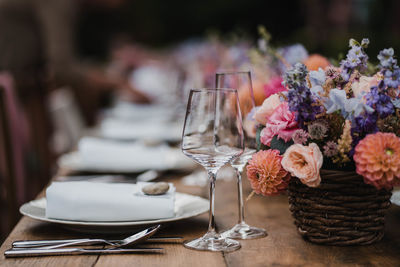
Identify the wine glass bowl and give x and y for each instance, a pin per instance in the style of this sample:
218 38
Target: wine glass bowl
213 136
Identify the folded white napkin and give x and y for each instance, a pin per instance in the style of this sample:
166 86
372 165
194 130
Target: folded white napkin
91 201
129 156
148 130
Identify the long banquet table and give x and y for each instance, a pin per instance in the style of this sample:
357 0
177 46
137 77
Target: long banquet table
282 247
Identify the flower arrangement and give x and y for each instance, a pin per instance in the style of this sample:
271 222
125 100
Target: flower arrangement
330 136
345 117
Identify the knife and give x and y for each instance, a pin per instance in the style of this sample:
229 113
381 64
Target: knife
14 252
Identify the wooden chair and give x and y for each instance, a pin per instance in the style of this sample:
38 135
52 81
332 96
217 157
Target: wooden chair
14 143
8 201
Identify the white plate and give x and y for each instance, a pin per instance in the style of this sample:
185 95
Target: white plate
395 199
136 112
118 129
186 206
73 161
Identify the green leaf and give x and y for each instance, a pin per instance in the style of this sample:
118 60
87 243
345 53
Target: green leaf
280 144
260 146
258 141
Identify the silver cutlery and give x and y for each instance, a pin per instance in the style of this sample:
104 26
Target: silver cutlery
130 240
13 253
43 243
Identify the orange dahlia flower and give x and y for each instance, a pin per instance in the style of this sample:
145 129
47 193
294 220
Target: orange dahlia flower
377 159
315 61
266 175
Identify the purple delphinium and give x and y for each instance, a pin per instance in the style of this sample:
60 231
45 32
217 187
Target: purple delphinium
300 99
389 69
366 123
301 102
378 97
363 125
391 78
380 102
355 59
386 58
296 76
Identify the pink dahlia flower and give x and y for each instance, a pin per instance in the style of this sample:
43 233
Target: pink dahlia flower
377 159
282 123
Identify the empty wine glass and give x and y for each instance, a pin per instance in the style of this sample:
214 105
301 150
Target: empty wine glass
241 81
213 136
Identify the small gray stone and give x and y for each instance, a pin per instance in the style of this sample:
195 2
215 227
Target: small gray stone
159 188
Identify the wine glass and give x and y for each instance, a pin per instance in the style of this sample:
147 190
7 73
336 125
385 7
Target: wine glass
241 80
213 136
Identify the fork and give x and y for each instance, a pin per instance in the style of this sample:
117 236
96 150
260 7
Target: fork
43 243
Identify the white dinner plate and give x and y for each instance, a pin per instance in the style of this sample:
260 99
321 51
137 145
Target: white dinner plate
137 112
186 206
395 199
118 129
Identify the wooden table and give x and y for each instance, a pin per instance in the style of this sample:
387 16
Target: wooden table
282 247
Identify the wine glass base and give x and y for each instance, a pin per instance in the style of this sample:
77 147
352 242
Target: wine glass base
244 231
213 244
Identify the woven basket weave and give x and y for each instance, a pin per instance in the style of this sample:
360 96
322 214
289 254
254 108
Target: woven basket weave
342 211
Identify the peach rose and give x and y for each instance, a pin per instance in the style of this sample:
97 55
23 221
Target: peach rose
304 162
364 85
267 108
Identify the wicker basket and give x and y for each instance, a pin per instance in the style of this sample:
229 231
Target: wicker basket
342 211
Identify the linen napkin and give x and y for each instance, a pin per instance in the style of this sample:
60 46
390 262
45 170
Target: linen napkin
129 155
105 202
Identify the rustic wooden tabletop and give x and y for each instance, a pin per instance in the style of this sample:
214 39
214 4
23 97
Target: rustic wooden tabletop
282 247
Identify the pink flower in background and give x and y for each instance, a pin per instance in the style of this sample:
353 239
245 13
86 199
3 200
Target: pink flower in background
267 108
265 173
281 123
304 162
274 86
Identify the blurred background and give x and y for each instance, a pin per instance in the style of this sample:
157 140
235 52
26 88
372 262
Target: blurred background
63 62
321 26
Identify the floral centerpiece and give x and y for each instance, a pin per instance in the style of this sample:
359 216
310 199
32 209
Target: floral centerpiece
330 136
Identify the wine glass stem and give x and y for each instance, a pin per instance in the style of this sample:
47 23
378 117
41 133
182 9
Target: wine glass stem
211 220
240 194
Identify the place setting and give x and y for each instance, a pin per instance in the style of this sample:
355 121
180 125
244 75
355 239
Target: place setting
114 209
213 136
